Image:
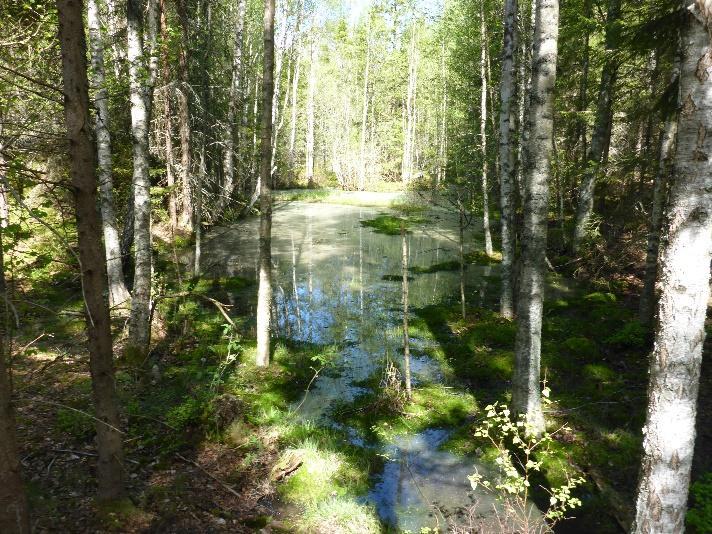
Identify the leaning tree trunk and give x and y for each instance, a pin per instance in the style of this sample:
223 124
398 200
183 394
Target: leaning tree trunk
234 104
669 432
264 295
601 129
526 396
118 294
483 135
14 515
507 123
91 252
139 322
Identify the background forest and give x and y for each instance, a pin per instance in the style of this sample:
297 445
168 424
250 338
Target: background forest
213 212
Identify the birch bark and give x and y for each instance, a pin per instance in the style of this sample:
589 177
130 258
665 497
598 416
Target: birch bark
669 431
526 395
264 296
118 294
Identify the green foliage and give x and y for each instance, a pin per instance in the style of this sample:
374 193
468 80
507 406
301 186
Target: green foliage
699 516
520 454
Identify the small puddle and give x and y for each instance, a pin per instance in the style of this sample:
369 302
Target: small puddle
329 288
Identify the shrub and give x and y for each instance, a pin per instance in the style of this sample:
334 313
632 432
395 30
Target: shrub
699 517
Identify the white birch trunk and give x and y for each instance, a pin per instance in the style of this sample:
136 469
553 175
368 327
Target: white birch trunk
406 339
364 114
264 294
507 123
526 395
310 117
139 322
118 294
483 135
293 122
669 431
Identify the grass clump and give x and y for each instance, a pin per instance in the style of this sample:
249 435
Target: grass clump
386 224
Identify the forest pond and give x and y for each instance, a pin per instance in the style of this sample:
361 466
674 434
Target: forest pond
338 282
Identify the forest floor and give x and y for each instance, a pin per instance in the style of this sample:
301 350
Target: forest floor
213 444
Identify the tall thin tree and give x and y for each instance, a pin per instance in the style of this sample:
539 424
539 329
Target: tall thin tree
507 122
669 432
264 296
139 321
82 155
526 395
601 129
118 294
14 515
483 132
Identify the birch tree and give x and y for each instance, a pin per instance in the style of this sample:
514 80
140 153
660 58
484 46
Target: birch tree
669 431
507 123
311 89
526 396
264 295
483 133
139 322
118 294
82 155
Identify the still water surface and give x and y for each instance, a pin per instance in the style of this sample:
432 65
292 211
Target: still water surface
329 288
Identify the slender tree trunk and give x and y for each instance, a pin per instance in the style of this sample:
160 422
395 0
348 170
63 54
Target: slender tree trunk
293 122
234 106
264 297
442 145
14 514
524 89
662 177
118 294
526 395
168 142
601 129
408 122
669 432
139 322
406 340
647 296
91 252
199 209
186 213
461 257
483 134
507 123
310 117
364 113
